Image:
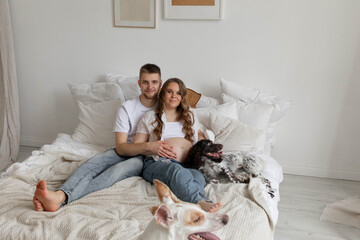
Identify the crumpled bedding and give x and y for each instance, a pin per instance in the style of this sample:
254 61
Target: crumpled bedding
118 212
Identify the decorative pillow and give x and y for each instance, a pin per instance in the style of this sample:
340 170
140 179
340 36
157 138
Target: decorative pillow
129 85
227 110
233 134
254 95
205 101
96 92
192 97
97 122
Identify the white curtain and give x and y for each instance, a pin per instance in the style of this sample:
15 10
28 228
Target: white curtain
9 96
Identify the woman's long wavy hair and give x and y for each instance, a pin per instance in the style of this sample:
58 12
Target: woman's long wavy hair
185 115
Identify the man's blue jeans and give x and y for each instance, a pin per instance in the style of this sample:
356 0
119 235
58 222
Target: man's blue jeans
99 172
187 184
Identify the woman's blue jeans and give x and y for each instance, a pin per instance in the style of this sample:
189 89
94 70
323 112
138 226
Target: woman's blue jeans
187 184
99 172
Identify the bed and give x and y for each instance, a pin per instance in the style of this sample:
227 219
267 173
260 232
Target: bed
122 210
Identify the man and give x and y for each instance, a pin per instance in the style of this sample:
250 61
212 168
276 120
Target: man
105 169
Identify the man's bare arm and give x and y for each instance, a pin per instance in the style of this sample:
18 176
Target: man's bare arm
127 149
142 146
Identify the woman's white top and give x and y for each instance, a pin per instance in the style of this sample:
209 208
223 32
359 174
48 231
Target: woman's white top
170 129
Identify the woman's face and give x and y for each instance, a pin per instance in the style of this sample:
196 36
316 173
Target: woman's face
172 96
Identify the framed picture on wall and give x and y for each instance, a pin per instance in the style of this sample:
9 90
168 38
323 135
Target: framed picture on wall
193 9
135 13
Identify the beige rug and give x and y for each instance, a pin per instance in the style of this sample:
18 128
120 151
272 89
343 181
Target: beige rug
345 212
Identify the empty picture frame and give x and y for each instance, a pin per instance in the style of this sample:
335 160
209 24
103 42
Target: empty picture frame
193 9
135 13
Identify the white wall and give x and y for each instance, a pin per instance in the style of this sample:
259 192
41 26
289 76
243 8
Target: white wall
304 50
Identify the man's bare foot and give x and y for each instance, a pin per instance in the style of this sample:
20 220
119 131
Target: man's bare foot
46 200
37 205
209 206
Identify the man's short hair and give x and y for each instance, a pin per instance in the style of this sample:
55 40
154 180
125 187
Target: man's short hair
149 68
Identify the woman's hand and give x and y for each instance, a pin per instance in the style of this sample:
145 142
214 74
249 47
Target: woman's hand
162 148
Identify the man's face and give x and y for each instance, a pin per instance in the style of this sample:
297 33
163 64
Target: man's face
149 84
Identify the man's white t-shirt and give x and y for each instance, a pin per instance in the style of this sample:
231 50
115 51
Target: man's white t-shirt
128 117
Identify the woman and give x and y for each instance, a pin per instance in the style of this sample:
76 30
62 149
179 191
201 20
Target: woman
173 122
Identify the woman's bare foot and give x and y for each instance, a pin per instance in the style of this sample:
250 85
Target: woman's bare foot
46 200
209 206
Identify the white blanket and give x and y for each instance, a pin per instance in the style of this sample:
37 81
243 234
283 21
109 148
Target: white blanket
118 212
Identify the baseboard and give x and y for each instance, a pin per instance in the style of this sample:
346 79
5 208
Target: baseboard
322 172
34 141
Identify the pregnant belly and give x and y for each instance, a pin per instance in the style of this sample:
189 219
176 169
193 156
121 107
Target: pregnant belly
180 146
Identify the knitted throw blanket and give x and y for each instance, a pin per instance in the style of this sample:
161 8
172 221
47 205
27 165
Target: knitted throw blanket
118 212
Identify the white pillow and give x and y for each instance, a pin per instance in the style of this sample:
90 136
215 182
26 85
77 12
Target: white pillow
251 94
96 92
208 134
225 98
129 85
97 122
242 92
227 110
254 95
265 142
205 101
233 134
256 115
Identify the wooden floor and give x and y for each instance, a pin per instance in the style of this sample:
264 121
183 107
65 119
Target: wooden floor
302 202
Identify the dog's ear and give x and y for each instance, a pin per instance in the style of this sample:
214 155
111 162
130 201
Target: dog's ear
153 209
164 193
197 160
165 216
193 159
190 156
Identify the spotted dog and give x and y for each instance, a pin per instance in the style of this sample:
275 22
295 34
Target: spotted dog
235 167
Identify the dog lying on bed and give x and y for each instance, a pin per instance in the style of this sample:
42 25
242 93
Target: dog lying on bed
235 167
216 167
177 220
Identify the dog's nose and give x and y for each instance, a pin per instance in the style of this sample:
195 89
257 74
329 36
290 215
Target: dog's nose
225 219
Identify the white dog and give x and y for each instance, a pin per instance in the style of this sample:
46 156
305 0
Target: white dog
177 220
